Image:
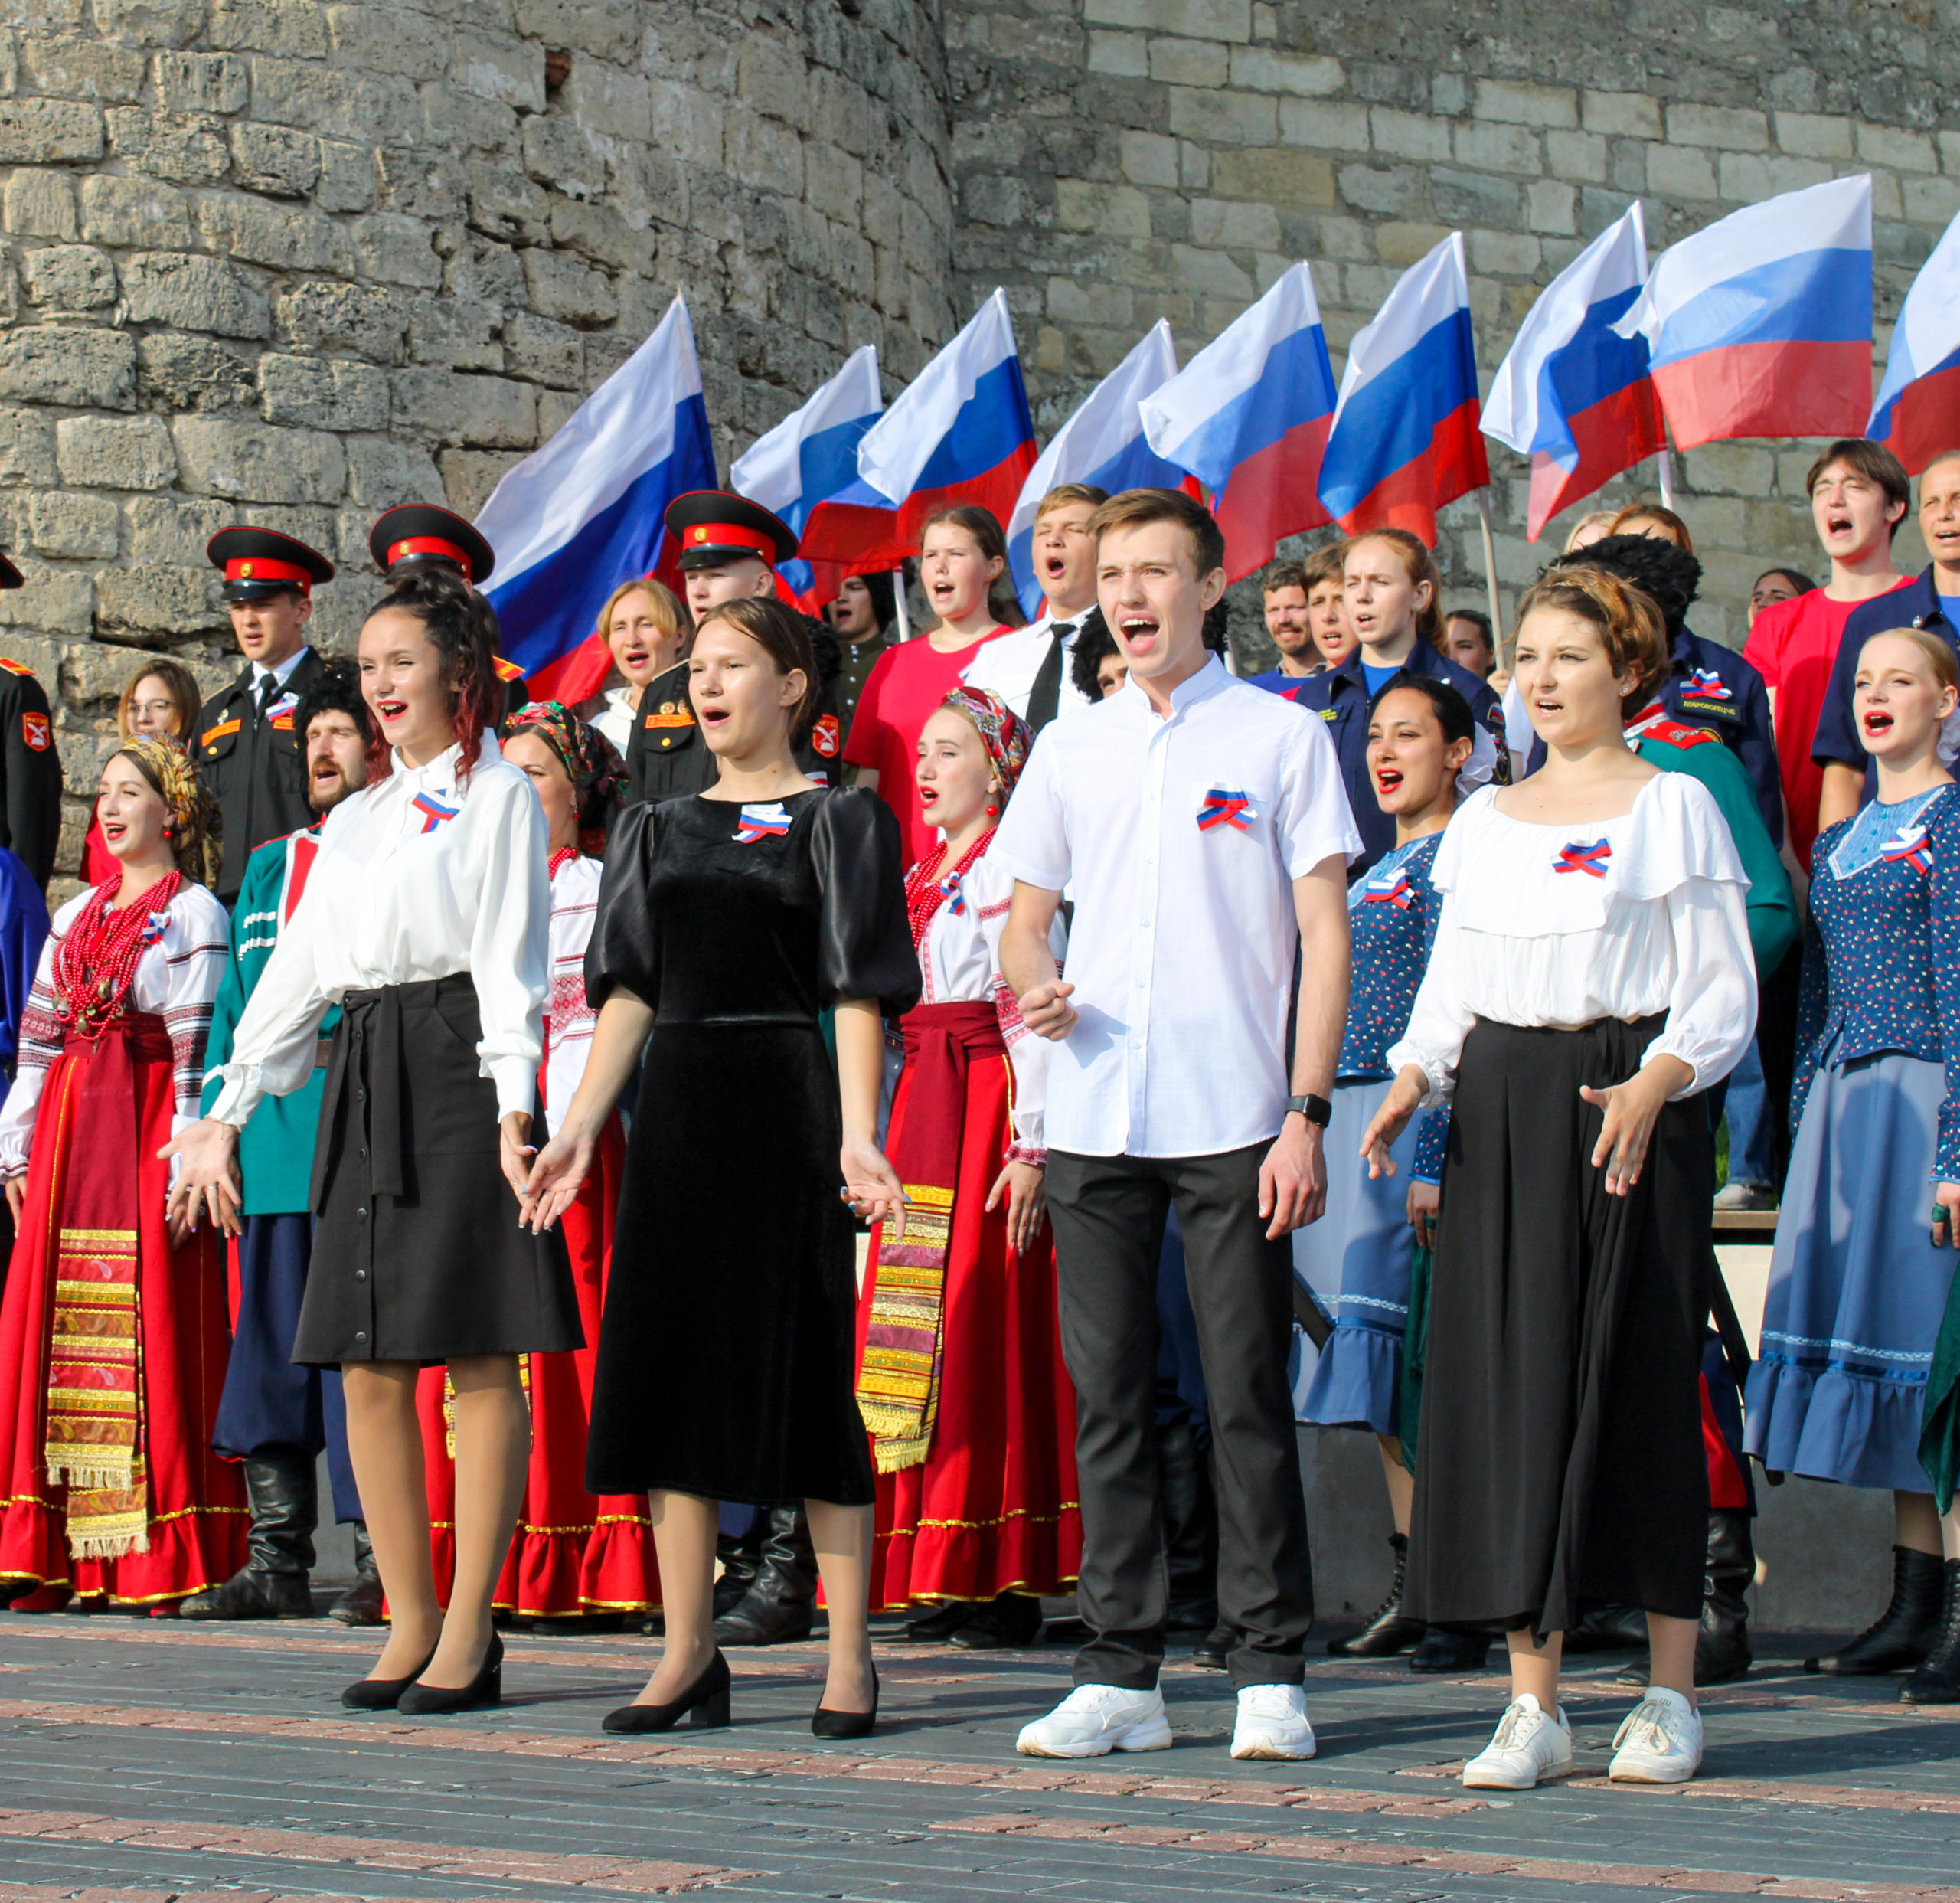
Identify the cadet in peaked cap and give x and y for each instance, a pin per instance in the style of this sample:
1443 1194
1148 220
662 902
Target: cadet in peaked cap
247 750
714 526
30 768
421 535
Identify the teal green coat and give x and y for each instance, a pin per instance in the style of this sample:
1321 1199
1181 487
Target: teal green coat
275 1149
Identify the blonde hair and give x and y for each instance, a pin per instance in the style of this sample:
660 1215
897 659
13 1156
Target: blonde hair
1939 657
1599 518
668 609
1628 621
1652 512
1419 565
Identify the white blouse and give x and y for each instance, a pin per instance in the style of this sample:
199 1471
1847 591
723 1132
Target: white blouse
960 963
569 1018
1563 925
615 717
177 978
417 878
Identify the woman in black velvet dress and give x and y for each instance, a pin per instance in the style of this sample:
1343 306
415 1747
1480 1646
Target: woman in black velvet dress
727 922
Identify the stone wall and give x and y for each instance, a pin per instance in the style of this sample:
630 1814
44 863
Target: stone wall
292 263
1120 161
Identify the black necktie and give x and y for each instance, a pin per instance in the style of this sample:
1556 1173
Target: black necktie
268 687
1045 697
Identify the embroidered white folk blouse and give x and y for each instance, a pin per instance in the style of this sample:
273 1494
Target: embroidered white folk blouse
176 979
1628 917
569 1019
417 878
960 963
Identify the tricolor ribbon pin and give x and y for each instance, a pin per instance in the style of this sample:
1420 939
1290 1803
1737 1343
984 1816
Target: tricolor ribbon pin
1706 684
1576 856
954 887
1226 806
1911 846
1395 890
769 821
432 811
154 927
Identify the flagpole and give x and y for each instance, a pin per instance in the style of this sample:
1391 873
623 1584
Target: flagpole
898 602
1664 468
1491 570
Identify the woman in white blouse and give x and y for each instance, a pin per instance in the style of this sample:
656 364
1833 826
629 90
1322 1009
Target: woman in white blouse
426 919
1591 976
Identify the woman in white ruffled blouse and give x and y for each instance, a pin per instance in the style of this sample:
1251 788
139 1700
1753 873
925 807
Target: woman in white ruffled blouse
1592 977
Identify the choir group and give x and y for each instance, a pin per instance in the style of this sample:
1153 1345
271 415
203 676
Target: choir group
490 1095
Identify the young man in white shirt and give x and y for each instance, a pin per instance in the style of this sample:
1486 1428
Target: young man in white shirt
1029 669
1203 832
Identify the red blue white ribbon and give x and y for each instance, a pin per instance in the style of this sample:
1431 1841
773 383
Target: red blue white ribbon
1911 846
1705 684
769 821
954 887
432 810
1226 806
154 927
1394 888
1576 856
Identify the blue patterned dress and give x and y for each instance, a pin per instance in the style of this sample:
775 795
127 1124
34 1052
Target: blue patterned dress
1355 1260
1857 1290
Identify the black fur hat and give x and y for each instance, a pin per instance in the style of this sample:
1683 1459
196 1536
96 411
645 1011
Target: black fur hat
1660 568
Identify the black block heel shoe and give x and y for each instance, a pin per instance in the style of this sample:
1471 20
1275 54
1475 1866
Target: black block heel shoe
438 1701
838 1725
381 1694
705 1702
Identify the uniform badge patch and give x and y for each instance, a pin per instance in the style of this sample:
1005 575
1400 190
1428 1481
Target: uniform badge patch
35 731
827 737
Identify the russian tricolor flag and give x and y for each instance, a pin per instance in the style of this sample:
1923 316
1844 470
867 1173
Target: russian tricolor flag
960 432
1405 440
1918 413
1248 416
809 457
1573 395
582 515
1760 324
1102 444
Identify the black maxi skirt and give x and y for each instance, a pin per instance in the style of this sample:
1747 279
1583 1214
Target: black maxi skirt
417 1255
1561 1454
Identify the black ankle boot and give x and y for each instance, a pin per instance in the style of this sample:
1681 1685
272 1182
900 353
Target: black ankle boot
1190 1513
1937 1681
1447 1649
1905 1631
1608 1629
782 1605
283 1494
1387 1634
1012 1620
363 1602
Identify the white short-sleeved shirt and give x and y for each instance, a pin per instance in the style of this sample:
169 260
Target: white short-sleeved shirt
1008 665
1180 838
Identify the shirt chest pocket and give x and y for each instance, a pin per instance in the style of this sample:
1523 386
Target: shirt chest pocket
218 738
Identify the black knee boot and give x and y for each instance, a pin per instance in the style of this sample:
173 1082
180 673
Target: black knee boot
284 1495
741 1558
1937 1681
1905 1631
1387 1634
781 1605
362 1604
1722 1650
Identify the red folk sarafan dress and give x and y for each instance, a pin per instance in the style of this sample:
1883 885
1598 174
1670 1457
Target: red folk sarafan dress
574 1553
960 1381
113 1342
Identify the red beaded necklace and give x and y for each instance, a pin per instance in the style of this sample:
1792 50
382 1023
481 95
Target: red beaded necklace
926 890
563 856
96 963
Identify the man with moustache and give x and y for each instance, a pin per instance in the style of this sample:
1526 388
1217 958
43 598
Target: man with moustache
273 1417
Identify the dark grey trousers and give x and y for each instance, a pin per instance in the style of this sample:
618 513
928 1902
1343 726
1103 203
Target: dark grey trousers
1108 1214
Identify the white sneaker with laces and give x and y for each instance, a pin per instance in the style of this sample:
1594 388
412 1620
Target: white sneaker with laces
1529 1746
1658 1742
1272 1723
1096 1718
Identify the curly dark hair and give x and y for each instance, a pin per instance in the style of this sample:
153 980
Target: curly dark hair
338 691
1663 570
462 627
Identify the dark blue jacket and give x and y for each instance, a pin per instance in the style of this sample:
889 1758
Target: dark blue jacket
1340 698
1917 606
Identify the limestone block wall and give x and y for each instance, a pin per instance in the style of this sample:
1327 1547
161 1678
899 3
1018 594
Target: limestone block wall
293 262
1120 161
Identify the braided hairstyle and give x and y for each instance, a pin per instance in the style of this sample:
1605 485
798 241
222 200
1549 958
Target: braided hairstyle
462 627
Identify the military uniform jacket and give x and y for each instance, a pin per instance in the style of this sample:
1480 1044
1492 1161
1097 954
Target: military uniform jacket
31 812
255 768
667 758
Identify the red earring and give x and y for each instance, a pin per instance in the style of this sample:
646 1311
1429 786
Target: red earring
993 811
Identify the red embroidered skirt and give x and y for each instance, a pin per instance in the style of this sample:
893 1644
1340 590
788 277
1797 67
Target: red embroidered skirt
993 1508
574 1552
195 1509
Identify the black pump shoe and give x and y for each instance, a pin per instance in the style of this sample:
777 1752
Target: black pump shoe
837 1726
437 1701
1906 1631
381 1694
705 1702
1387 1634
1937 1681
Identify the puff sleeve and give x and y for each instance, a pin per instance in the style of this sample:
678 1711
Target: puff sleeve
864 944
624 950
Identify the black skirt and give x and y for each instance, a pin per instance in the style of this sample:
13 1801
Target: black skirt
417 1255
1561 1454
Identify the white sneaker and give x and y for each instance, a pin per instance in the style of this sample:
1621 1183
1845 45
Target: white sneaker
1096 1718
1272 1723
1528 1746
1658 1742
1741 1195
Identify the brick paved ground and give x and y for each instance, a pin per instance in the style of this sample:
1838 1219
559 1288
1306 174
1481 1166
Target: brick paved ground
142 1761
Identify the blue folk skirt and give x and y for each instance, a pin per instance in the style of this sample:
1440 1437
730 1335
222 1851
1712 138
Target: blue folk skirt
1355 1264
1856 1289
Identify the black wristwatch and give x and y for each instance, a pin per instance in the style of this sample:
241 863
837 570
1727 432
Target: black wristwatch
1315 1109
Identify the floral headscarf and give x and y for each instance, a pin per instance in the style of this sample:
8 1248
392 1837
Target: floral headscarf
1002 731
591 762
196 826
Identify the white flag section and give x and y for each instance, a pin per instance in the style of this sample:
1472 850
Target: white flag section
812 453
1102 444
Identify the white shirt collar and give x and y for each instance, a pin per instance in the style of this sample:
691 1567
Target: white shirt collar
283 672
442 770
1186 695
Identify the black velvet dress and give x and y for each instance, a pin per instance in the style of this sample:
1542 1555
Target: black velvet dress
725 1352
